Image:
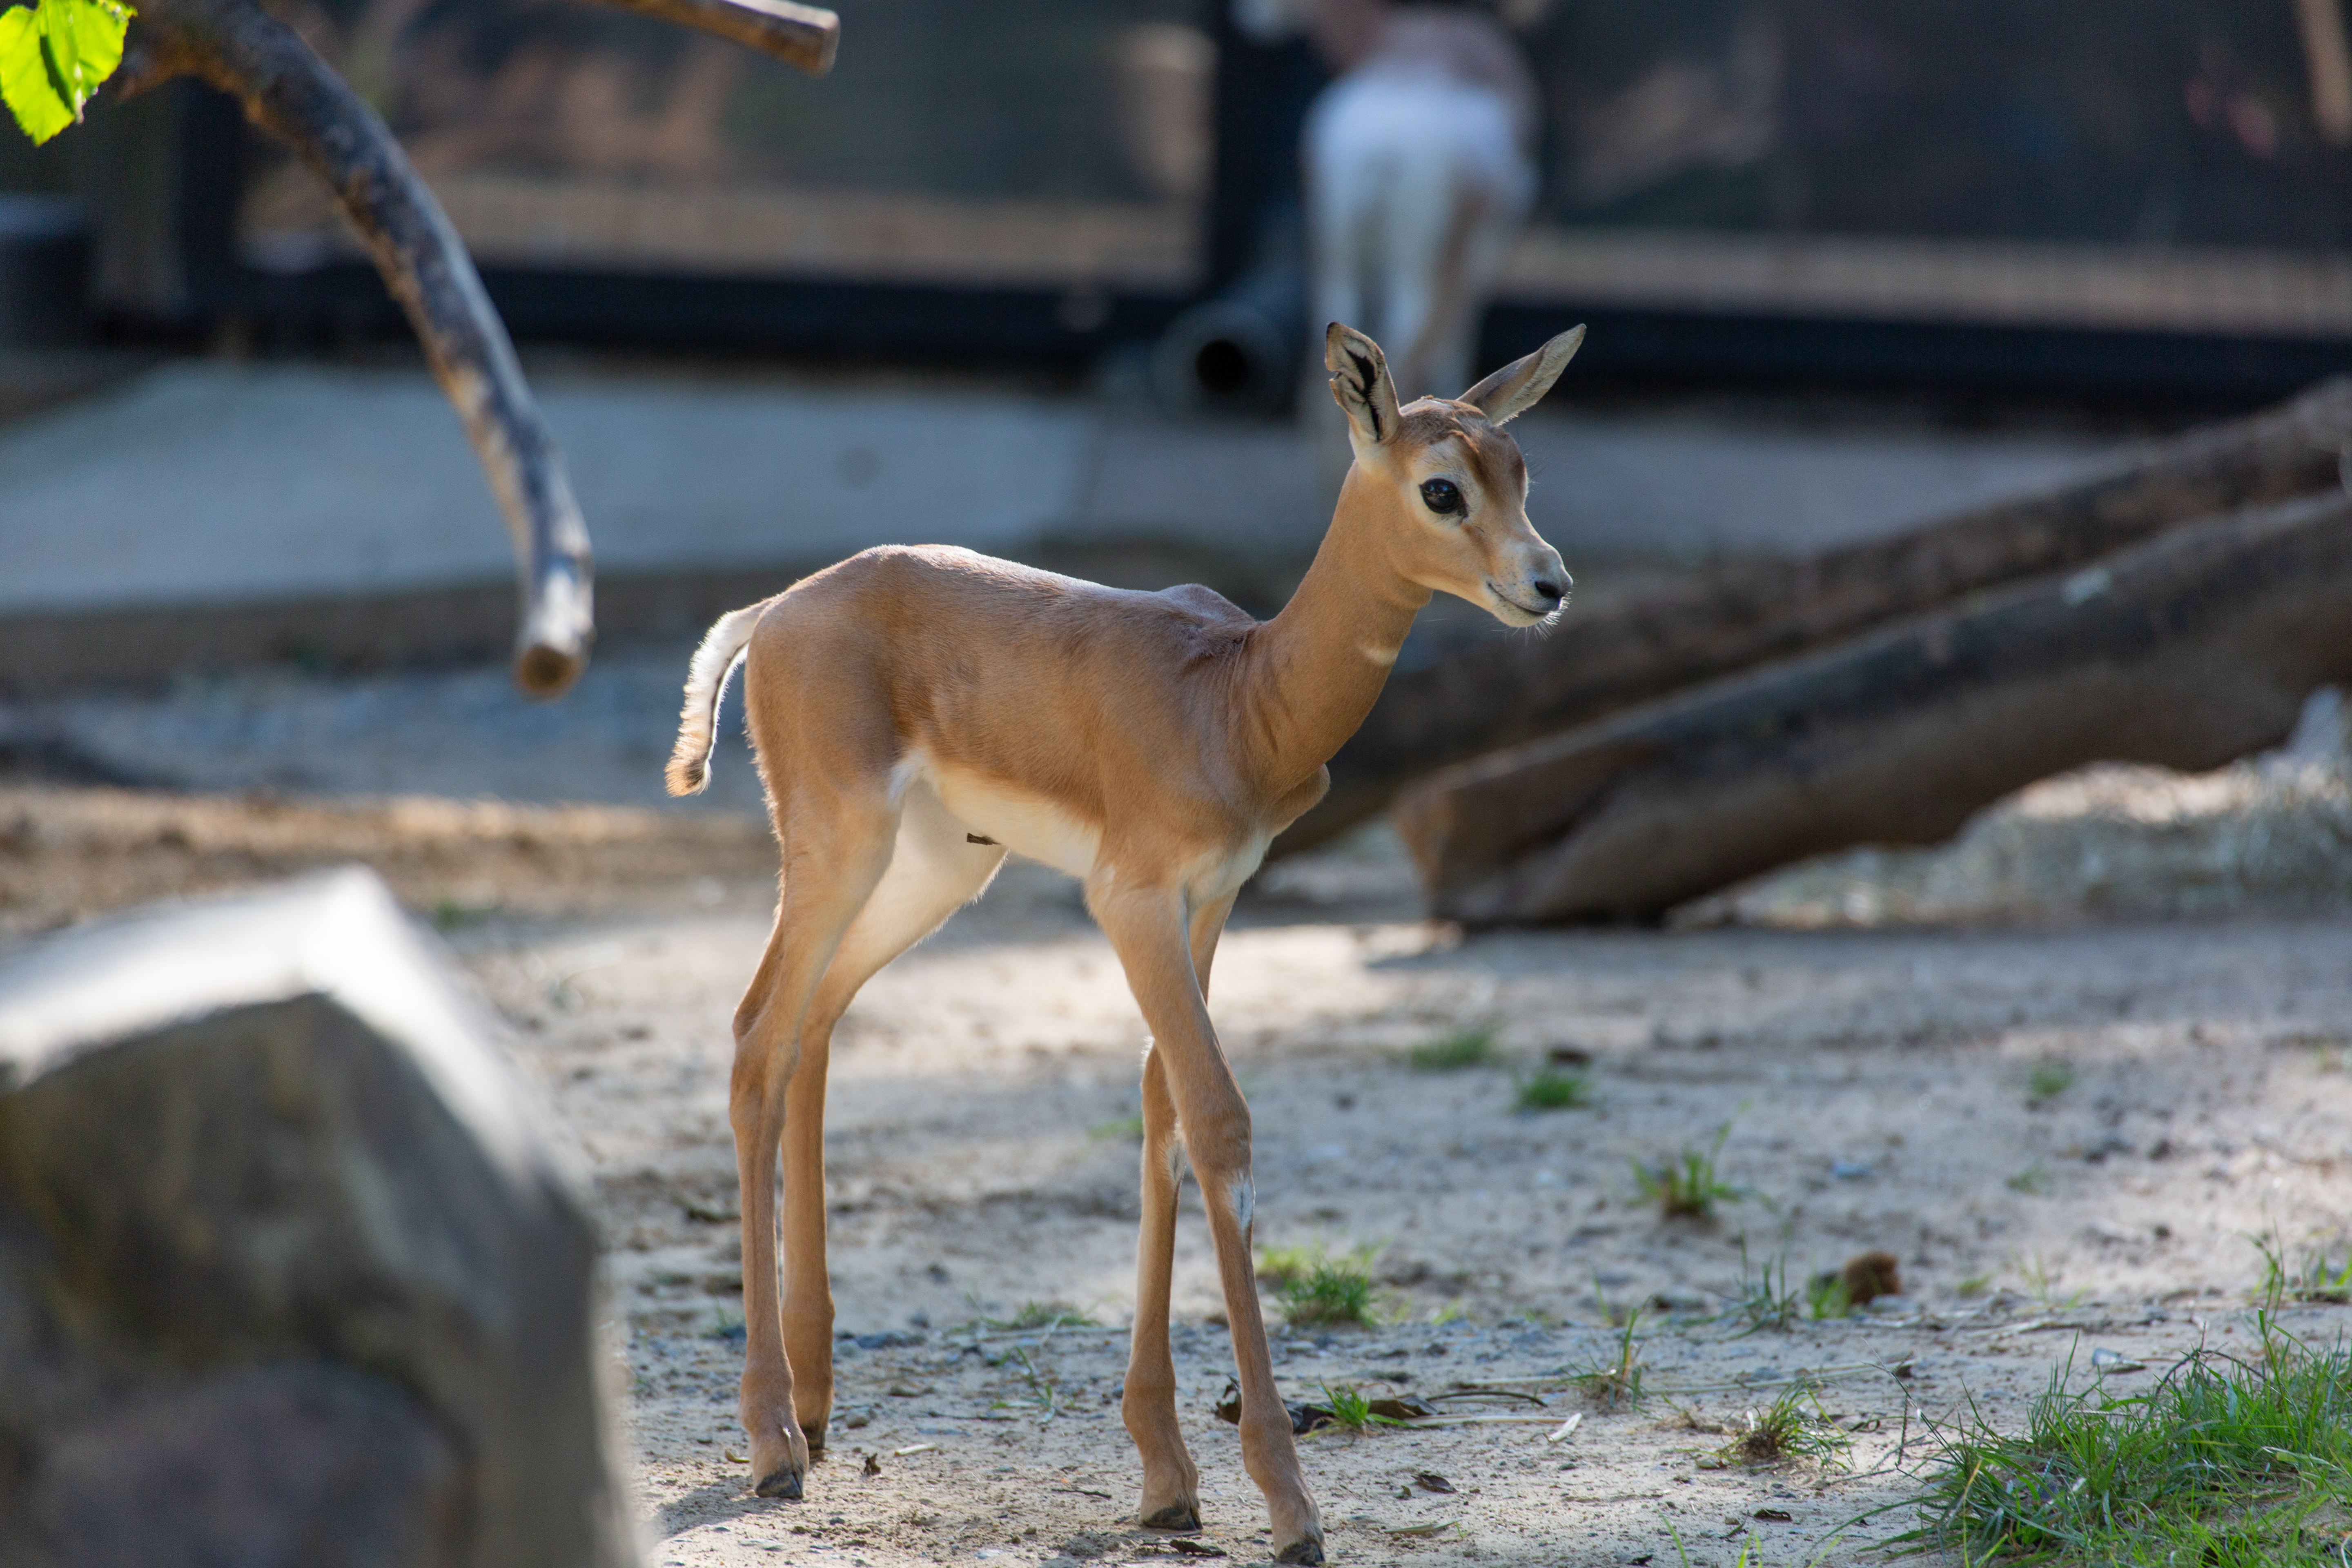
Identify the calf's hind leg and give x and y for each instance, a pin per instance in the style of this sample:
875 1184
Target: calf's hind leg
823 893
934 870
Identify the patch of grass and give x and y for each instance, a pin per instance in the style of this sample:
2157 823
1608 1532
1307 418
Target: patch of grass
2049 1080
1129 1129
1456 1050
1553 1089
1279 1266
1040 1315
1764 1300
1826 1297
2312 1277
1975 1285
449 914
1617 1381
1351 1411
1044 1391
2226 1461
2041 1283
1688 1186
1793 1428
1317 1290
2033 1181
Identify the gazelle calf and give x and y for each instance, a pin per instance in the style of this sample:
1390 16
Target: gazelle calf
918 711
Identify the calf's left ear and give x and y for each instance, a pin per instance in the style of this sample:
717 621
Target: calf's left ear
1360 384
1521 385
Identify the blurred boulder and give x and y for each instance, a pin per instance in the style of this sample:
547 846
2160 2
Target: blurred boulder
292 1268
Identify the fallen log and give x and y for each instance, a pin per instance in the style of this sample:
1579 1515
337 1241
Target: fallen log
2188 650
1646 645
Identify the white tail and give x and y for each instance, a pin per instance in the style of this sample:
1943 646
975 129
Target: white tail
706 682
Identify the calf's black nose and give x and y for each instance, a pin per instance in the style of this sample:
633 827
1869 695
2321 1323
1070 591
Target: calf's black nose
1546 590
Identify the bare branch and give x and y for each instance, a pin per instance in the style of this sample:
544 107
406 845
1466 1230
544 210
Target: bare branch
803 35
291 93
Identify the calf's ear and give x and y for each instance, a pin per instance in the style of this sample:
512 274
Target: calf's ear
1521 385
1361 384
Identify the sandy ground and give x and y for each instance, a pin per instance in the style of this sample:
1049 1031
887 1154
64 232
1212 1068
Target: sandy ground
1872 1090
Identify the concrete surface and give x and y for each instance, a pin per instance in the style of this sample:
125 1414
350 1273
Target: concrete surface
212 515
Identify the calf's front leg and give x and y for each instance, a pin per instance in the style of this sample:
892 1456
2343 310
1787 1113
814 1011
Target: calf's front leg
1147 929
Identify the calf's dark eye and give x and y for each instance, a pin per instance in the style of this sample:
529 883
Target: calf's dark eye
1441 496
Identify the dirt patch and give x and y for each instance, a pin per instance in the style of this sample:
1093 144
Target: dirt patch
2063 1138
66 853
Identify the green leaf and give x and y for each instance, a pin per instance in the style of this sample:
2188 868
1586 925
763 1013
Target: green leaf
53 58
85 43
25 85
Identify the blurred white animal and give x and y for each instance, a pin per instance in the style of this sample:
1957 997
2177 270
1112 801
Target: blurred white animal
1420 169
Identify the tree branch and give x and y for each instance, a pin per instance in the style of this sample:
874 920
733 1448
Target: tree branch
803 35
291 93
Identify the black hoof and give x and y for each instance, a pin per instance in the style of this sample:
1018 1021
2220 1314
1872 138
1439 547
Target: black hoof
1307 1549
786 1484
1176 1516
816 1435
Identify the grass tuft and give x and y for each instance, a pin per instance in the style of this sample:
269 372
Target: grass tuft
1455 1051
2049 1080
1827 1298
2041 1279
1553 1089
2227 1461
2311 1278
1351 1410
1317 1290
1618 1381
1279 1266
1790 1429
1121 1129
1040 1315
1688 1186
1764 1300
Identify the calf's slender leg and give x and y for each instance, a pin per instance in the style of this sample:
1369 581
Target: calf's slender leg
1147 928
1171 1483
833 860
934 870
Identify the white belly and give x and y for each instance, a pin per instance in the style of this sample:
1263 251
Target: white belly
1024 823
